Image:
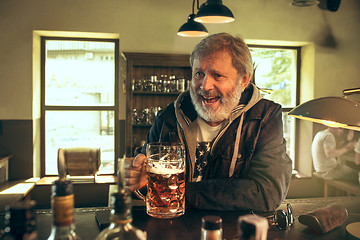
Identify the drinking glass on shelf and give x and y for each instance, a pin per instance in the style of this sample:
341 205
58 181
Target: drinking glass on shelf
181 85
147 85
135 116
138 85
153 82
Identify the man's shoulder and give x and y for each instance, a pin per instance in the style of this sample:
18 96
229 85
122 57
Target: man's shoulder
324 133
269 103
262 107
168 112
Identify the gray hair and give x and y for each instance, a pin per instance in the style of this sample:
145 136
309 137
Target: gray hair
235 46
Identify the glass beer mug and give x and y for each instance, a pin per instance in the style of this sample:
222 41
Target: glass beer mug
165 174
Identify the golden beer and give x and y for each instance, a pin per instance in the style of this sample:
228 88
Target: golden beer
166 194
165 173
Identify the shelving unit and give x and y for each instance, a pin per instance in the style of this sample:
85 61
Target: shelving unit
143 66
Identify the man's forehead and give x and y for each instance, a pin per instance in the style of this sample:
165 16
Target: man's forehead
216 61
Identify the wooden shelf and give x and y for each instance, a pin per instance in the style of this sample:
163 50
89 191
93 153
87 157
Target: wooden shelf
143 66
142 125
155 93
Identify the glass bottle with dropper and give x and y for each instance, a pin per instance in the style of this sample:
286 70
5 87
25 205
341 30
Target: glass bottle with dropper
120 227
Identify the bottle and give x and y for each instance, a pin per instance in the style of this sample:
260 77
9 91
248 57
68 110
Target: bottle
20 221
120 227
211 228
62 204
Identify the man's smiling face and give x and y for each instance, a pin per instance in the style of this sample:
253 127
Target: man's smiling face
215 87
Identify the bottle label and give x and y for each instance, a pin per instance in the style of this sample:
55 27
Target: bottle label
63 210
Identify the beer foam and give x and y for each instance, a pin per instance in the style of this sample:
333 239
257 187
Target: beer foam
160 169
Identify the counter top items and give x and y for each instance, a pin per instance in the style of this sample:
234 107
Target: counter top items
62 203
211 228
252 226
120 218
188 226
323 220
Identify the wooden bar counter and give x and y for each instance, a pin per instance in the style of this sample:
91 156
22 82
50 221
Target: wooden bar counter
187 227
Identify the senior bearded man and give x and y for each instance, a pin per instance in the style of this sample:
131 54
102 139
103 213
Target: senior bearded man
236 152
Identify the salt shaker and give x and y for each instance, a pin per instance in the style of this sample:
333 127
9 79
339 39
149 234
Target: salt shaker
211 228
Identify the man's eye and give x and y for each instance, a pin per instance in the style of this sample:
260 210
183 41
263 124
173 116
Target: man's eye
199 74
218 76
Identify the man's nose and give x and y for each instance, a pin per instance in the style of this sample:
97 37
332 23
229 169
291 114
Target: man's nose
207 83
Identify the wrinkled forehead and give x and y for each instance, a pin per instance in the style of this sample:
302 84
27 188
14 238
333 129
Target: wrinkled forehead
212 56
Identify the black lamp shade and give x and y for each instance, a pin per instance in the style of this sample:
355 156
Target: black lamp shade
192 28
330 111
213 11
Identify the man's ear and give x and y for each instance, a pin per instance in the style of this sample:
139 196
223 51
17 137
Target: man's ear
245 81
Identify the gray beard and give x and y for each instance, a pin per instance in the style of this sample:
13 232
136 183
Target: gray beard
228 103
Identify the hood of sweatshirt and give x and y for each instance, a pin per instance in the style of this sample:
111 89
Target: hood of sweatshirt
187 126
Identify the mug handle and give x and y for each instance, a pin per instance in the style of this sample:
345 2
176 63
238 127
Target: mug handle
139 194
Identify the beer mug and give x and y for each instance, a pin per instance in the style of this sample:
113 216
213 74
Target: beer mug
165 174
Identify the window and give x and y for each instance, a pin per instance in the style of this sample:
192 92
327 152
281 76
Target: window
277 75
79 98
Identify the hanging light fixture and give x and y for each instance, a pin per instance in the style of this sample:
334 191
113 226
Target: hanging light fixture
192 28
304 3
213 11
331 111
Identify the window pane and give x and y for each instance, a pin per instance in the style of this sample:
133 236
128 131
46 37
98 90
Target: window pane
275 71
66 129
289 135
79 73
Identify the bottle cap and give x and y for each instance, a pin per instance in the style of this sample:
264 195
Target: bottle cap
211 222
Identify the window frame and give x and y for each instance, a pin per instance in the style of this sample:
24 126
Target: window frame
45 108
297 98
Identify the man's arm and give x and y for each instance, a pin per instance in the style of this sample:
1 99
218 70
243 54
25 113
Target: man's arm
357 158
357 152
331 152
266 184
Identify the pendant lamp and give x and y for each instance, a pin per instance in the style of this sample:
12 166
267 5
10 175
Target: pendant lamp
192 28
339 112
213 11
